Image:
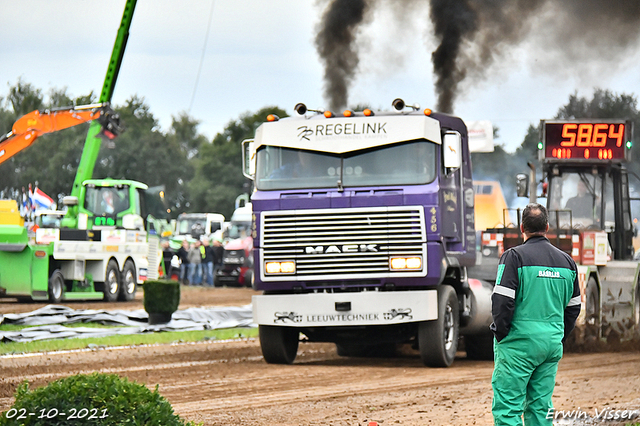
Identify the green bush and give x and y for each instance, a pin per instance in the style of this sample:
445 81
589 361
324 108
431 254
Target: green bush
161 296
95 399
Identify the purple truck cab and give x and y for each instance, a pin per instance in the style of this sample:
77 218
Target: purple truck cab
363 228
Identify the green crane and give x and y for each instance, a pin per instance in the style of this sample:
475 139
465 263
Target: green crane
108 124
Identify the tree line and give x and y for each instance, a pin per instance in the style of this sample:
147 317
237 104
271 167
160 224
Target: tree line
198 175
201 175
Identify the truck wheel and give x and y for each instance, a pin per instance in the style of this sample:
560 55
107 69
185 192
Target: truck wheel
438 339
56 287
129 282
279 344
479 346
111 282
248 278
592 308
636 308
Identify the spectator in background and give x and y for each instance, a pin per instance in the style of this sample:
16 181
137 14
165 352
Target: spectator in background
207 263
183 255
195 264
218 251
167 255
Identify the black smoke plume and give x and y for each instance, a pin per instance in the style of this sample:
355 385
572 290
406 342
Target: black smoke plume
453 21
336 44
472 33
474 37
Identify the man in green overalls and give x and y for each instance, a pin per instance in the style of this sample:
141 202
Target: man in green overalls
535 304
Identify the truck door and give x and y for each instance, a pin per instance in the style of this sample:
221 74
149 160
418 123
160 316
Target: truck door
451 199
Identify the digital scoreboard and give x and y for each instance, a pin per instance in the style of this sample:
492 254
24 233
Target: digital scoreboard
606 140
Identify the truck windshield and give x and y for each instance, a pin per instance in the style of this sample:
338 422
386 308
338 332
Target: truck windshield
188 225
581 194
49 220
106 200
410 163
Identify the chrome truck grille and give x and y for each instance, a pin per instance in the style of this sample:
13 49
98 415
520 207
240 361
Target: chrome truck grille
343 243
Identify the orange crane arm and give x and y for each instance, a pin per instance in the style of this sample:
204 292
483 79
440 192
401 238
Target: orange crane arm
36 123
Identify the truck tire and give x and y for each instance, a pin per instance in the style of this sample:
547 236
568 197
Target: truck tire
248 278
592 308
56 287
438 339
479 346
636 308
129 282
279 344
111 282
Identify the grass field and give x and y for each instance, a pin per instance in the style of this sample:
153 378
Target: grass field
124 340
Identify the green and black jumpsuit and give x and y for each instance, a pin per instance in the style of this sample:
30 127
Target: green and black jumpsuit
535 304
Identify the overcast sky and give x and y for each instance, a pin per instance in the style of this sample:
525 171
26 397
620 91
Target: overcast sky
262 53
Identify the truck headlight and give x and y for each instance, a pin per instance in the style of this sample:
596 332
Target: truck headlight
403 263
286 267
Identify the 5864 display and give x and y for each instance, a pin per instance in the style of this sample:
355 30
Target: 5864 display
575 140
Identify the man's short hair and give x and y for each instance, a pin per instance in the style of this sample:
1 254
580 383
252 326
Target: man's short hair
535 219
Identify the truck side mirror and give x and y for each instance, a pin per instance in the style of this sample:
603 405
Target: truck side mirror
248 159
452 150
522 185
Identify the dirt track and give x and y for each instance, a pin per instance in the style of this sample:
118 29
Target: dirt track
189 297
229 383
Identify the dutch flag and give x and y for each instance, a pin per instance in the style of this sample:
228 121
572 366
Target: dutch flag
40 200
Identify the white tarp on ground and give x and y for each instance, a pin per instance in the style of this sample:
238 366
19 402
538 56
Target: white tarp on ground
50 322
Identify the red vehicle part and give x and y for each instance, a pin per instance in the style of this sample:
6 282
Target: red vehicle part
237 264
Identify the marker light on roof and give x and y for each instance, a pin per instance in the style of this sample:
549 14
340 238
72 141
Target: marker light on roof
272 117
300 108
368 112
398 104
328 114
347 113
427 111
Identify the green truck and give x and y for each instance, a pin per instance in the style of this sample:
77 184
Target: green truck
102 249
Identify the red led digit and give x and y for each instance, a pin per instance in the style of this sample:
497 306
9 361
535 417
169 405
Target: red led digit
617 135
584 135
600 135
566 134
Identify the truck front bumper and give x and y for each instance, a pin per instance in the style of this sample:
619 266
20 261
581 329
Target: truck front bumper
345 309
